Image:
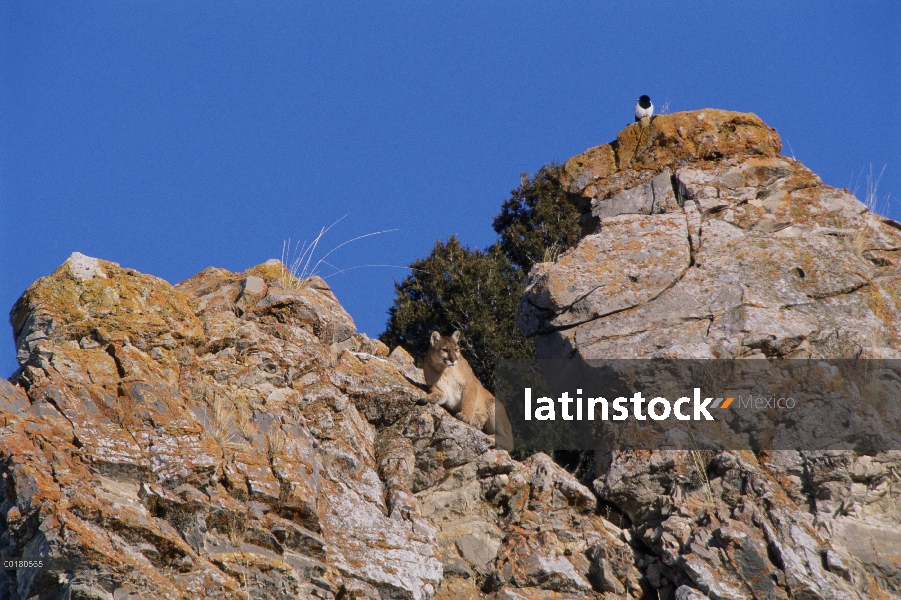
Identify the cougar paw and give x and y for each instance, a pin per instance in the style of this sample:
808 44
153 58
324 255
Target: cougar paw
465 419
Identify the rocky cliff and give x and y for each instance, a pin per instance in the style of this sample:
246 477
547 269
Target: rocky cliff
234 437
709 244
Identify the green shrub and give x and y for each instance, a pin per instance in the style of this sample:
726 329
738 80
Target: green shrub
539 220
456 288
478 291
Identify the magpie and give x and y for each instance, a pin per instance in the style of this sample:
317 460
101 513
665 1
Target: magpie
644 108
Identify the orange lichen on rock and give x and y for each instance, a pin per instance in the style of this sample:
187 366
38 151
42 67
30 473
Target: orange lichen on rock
643 149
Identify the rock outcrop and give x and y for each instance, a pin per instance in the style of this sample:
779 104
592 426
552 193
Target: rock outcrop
709 244
234 437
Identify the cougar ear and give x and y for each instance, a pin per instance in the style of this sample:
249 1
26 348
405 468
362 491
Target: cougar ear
456 336
436 337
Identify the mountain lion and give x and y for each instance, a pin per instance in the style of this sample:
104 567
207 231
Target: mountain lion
453 385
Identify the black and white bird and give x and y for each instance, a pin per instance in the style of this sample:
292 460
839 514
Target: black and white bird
644 108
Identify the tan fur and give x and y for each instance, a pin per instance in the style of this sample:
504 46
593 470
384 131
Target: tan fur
453 385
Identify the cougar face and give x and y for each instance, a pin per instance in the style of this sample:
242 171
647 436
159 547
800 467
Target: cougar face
447 348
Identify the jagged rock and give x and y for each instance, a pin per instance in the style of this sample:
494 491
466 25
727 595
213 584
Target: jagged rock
656 196
756 257
686 593
233 435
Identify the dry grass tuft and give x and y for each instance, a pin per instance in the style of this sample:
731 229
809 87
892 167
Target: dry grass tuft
244 421
700 462
276 441
236 533
221 419
298 262
552 252
857 242
200 391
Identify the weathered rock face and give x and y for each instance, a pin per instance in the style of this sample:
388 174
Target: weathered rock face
709 244
234 437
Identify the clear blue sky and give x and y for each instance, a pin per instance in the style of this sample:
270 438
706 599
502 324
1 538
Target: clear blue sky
172 136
